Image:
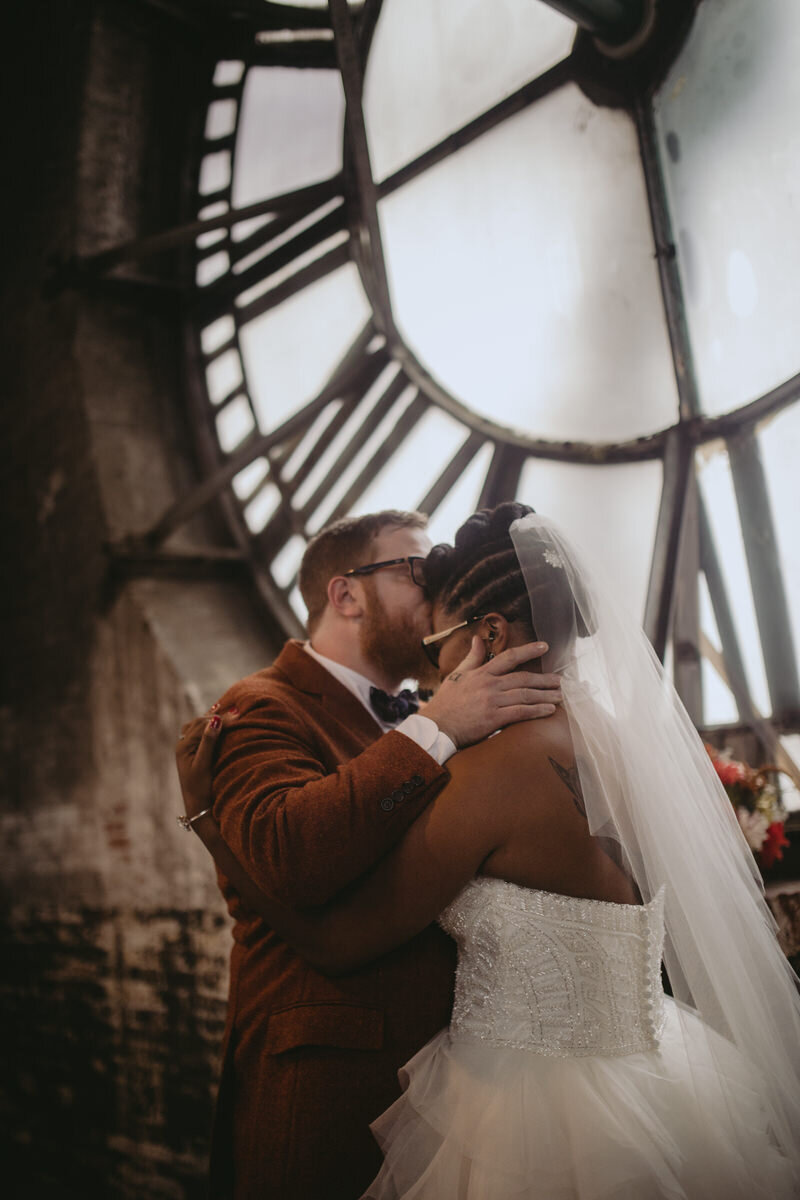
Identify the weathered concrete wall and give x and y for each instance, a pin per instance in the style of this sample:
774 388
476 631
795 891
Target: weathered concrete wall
114 939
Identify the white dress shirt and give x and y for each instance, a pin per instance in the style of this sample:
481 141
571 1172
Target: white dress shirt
422 730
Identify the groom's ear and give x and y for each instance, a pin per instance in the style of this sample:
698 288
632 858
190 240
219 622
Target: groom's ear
345 596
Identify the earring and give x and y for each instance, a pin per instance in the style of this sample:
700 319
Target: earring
490 652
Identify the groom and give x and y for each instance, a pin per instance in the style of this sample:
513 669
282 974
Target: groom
316 780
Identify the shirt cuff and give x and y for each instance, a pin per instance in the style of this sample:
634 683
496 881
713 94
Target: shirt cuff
428 736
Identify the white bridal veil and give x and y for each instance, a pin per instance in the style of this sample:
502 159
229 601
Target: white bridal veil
648 783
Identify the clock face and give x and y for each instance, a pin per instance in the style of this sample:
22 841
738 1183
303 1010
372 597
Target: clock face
448 268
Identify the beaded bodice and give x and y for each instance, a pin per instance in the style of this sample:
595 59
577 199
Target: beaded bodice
554 974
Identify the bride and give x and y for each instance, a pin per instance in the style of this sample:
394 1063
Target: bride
568 857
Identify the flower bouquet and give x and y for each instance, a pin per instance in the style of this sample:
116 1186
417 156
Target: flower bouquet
757 805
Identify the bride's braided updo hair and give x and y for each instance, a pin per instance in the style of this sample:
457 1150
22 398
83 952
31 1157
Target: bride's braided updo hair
481 573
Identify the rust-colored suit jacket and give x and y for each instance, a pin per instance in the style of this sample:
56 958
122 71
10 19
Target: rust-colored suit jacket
309 795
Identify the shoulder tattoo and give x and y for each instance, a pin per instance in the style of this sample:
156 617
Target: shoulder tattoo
571 780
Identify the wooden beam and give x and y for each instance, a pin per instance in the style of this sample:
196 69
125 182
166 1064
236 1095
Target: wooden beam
299 203
135 562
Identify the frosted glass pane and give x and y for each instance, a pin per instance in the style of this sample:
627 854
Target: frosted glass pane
523 275
716 484
264 506
228 72
789 793
416 465
730 145
434 66
208 211
223 375
340 444
286 562
217 334
220 119
779 441
610 511
719 705
290 351
246 482
358 463
296 601
462 501
234 423
309 440
215 172
290 131
209 239
211 268
292 268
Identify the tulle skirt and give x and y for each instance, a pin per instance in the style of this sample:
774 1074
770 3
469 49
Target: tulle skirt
482 1122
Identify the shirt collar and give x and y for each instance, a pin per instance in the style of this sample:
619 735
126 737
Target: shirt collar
356 683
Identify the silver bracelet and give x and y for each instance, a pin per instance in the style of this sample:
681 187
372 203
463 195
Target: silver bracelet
186 823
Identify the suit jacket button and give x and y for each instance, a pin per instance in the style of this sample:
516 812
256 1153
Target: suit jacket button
387 803
398 795
417 780
408 787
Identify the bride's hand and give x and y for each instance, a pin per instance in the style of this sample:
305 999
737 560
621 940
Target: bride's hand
194 758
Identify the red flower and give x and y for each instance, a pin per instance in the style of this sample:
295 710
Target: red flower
729 772
772 849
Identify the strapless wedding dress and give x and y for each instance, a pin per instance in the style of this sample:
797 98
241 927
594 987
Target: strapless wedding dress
567 1074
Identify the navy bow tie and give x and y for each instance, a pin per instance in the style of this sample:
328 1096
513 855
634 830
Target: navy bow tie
392 709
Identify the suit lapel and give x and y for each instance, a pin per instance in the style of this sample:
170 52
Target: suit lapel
308 676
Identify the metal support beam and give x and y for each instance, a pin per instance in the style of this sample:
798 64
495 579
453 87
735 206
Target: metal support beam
731 652
370 257
686 621
733 671
666 257
612 20
450 475
502 478
660 589
766 580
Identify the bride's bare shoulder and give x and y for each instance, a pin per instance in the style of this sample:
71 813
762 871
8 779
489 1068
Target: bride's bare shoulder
522 745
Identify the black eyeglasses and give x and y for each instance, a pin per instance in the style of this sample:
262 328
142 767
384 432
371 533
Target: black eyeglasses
432 643
416 565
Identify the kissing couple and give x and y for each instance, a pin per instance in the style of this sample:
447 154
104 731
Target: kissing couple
476 896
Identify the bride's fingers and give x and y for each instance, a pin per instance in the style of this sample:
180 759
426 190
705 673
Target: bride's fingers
189 740
199 734
204 756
